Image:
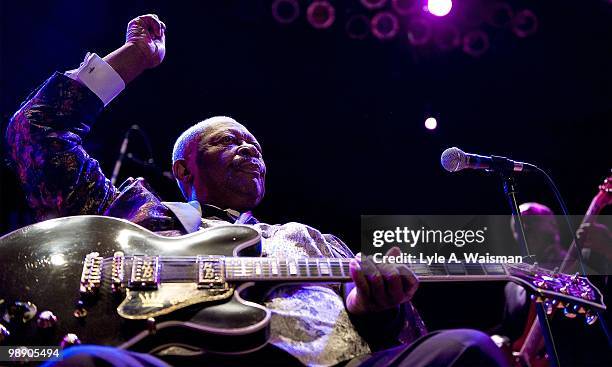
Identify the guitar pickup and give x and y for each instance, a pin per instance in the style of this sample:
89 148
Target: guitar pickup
145 272
210 272
91 275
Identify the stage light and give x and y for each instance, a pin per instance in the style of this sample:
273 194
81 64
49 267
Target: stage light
439 8
285 11
475 43
431 123
405 7
373 4
419 32
321 14
385 25
358 27
524 23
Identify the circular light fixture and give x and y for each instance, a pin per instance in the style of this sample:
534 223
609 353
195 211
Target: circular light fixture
385 25
321 14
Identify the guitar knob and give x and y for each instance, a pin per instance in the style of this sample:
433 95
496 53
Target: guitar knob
570 311
4 333
46 320
548 307
69 340
560 304
23 311
590 318
79 310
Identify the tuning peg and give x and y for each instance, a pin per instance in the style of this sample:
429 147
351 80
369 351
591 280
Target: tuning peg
69 340
4 333
570 311
581 310
537 299
590 318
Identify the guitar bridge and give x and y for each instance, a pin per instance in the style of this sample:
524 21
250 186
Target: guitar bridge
211 272
145 272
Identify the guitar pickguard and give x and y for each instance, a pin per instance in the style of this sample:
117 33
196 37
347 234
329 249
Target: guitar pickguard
169 297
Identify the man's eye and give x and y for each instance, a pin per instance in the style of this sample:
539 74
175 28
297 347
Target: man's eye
226 139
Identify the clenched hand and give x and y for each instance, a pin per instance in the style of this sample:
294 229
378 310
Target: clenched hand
379 287
148 33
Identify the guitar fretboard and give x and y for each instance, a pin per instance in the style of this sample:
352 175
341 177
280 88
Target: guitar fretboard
334 269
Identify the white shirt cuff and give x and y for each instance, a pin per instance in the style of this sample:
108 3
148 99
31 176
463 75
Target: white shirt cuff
97 75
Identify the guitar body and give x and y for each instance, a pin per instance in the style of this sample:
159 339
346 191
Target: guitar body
43 264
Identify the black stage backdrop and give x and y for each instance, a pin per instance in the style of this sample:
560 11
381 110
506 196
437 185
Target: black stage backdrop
340 121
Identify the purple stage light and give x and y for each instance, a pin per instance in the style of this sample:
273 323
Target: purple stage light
524 23
373 4
405 7
439 8
321 14
431 123
285 11
385 25
419 32
358 27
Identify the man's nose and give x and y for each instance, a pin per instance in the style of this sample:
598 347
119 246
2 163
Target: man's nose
248 150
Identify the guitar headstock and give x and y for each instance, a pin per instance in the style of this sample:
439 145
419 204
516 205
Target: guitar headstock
574 294
606 186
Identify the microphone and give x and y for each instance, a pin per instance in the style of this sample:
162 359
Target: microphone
122 151
454 159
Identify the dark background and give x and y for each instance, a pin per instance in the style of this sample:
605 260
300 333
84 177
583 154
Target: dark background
340 120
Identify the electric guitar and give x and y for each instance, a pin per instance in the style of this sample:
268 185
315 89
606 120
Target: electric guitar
529 348
102 280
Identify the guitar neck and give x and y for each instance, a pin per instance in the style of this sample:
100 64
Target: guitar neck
337 269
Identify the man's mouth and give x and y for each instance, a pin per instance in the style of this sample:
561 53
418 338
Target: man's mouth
248 167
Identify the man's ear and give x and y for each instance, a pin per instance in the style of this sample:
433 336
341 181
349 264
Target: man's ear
183 175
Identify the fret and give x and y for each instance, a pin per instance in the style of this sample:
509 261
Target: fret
265 267
494 269
274 264
292 267
346 269
323 266
282 268
313 267
437 269
336 267
243 269
475 269
421 269
303 267
258 268
455 269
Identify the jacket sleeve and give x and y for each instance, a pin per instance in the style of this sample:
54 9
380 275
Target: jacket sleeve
44 145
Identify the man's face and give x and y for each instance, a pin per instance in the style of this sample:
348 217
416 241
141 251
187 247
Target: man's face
228 167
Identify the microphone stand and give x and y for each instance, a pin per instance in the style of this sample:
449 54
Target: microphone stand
510 189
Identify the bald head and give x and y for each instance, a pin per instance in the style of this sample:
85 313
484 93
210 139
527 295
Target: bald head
218 161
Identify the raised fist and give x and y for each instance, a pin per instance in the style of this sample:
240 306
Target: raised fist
148 33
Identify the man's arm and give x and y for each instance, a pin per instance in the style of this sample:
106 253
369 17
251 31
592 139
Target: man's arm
44 136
